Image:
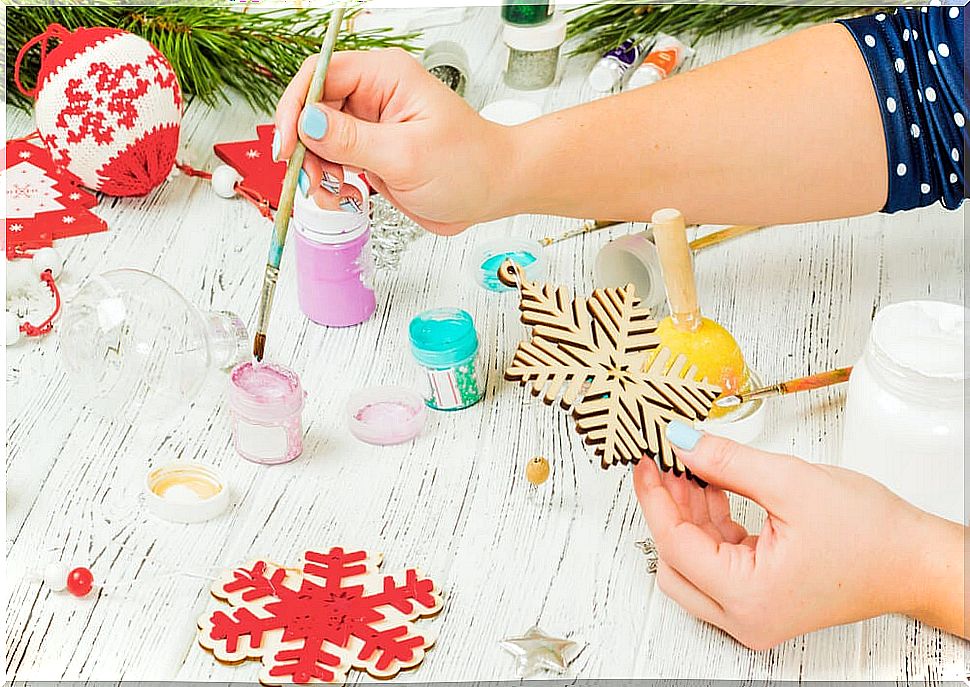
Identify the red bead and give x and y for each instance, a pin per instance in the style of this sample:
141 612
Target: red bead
79 581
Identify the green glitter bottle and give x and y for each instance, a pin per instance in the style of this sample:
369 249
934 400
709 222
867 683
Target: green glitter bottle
526 12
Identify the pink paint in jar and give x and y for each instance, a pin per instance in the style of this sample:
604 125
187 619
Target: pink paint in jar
333 260
266 410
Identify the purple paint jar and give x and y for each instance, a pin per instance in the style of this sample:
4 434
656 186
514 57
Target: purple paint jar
333 261
266 411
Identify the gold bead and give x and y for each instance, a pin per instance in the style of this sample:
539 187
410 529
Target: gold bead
537 470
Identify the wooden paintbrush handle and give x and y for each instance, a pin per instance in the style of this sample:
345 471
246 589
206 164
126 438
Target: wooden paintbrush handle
817 381
670 234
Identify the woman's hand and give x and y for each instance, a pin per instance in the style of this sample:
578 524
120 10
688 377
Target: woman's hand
422 146
836 546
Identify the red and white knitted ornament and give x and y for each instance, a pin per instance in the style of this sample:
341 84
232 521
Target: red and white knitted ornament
108 106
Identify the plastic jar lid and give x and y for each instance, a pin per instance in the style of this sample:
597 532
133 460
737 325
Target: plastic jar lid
546 36
331 226
511 112
265 392
186 492
486 258
632 259
443 337
386 415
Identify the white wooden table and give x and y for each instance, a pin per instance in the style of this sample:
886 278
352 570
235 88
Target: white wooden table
455 501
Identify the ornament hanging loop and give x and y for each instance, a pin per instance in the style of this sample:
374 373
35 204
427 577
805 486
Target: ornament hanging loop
51 32
47 325
511 274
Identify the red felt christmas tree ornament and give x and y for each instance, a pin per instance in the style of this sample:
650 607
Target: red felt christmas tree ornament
108 107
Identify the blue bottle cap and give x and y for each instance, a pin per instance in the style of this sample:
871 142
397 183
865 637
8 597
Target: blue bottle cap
443 337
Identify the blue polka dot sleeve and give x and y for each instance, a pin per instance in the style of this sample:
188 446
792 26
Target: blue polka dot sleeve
915 57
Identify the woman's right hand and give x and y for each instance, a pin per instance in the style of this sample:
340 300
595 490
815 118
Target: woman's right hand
421 145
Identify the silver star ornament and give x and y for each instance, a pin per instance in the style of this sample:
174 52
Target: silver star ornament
535 651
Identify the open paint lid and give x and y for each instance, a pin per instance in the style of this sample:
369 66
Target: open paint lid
386 415
186 492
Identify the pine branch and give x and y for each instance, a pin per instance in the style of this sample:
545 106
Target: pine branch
212 49
603 26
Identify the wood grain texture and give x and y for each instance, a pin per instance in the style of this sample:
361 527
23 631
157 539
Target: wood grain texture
456 501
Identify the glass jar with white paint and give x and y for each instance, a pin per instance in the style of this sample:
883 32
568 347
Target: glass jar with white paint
904 416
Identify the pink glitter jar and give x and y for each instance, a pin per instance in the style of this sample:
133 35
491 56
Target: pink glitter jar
265 409
333 260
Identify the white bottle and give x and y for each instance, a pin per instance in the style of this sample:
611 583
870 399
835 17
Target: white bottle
904 415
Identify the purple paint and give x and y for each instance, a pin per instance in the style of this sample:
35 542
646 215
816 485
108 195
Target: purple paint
333 264
265 409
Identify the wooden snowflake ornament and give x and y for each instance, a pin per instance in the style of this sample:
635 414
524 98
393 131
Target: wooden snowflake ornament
314 624
592 354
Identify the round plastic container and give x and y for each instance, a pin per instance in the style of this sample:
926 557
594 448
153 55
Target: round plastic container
445 344
905 411
186 492
485 259
333 261
633 259
386 415
534 53
265 410
448 62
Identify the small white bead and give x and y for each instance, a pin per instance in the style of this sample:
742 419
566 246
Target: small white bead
55 576
47 259
224 180
19 277
13 329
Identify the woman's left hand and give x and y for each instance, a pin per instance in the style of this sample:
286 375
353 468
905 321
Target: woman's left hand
836 546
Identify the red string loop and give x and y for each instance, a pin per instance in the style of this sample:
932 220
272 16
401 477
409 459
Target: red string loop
53 31
47 325
255 198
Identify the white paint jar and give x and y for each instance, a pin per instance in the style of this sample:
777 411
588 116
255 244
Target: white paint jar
904 415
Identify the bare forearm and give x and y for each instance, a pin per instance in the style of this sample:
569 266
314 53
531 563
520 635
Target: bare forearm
939 554
786 132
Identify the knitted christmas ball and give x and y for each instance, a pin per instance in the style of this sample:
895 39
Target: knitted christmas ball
109 108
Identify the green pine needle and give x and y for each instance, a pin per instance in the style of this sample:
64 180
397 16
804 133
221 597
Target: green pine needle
604 26
213 50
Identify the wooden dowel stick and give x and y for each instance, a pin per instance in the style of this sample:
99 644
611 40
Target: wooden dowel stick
670 234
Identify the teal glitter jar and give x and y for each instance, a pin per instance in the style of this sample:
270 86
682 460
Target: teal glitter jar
445 344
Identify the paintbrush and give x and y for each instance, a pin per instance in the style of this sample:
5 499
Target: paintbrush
792 386
712 239
282 220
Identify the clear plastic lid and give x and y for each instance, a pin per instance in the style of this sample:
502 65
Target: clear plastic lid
386 415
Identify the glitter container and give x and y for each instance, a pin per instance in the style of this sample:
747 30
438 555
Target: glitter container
448 62
486 258
265 408
333 261
445 344
386 415
526 12
534 53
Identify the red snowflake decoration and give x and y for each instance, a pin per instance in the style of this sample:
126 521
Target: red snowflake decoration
315 624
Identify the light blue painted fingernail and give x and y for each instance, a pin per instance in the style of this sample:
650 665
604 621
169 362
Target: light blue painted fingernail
276 146
314 122
682 435
303 181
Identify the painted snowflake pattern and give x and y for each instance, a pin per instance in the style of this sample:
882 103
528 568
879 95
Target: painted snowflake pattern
252 153
24 154
16 227
314 624
75 196
68 219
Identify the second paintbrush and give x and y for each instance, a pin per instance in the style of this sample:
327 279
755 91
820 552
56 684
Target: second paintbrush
818 381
